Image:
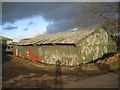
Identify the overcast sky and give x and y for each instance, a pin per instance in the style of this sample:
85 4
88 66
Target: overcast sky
29 19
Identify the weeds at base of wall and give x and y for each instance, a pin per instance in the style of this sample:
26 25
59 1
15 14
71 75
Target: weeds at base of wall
107 65
99 67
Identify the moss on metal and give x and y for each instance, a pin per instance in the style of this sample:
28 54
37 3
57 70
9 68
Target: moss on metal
96 45
29 52
68 47
67 54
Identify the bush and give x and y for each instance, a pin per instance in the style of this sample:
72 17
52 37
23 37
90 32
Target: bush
103 67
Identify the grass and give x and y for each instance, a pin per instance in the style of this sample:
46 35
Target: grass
114 65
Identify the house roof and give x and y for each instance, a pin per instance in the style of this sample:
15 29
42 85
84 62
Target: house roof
5 38
70 37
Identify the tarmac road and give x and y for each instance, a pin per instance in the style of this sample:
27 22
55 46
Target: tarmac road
109 80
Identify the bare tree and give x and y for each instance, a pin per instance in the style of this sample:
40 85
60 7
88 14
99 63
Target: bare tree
104 14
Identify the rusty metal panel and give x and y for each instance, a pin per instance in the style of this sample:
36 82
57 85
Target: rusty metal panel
28 52
67 54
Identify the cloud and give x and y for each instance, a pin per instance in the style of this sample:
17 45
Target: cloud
8 27
29 35
30 23
63 16
25 29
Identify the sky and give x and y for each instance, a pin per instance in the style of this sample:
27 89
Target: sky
29 19
25 28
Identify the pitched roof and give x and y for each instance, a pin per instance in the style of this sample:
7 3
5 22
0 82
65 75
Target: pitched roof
70 37
5 38
25 39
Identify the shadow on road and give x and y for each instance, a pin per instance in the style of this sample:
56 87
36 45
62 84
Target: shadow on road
58 76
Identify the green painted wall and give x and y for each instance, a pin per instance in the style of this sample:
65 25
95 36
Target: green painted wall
29 52
91 48
96 45
67 54
3 42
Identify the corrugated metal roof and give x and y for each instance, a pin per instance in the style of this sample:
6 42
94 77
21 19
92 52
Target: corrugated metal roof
24 40
70 37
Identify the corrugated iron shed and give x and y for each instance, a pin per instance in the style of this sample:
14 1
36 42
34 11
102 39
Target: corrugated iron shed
70 37
24 40
71 48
